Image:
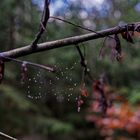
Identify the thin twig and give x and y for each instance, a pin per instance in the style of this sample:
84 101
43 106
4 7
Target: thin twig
43 22
79 26
84 64
30 63
7 136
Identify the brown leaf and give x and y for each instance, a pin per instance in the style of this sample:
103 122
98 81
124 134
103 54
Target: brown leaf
137 27
23 72
98 88
1 70
127 36
118 47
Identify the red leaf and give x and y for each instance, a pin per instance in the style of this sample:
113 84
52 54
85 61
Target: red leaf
97 86
79 103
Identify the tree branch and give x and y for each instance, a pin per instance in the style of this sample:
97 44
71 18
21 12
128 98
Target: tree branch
7 136
23 51
76 25
51 69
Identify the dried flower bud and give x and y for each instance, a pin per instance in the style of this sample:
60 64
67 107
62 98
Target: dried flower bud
23 72
79 103
1 69
83 90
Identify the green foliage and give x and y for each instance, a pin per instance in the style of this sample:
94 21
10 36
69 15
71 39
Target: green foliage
135 95
53 126
13 95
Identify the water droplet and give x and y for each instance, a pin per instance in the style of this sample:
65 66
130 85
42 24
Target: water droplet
62 73
29 96
78 109
72 68
70 89
36 97
60 98
29 79
57 78
41 82
75 84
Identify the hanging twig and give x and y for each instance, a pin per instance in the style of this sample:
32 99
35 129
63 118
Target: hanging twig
118 48
7 136
84 64
43 22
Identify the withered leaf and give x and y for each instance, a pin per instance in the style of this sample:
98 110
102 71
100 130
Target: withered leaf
118 47
127 36
98 88
23 72
83 90
137 27
1 70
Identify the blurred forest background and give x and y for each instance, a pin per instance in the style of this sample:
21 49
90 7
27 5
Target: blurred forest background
45 106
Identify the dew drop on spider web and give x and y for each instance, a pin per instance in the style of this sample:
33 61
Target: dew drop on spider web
62 85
